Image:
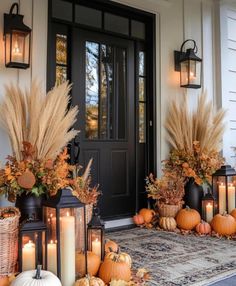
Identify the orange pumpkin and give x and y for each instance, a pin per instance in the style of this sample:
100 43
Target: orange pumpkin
26 180
224 224
114 270
147 215
138 219
93 261
111 246
203 228
4 281
233 213
188 219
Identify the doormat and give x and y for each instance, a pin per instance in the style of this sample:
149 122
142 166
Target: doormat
176 260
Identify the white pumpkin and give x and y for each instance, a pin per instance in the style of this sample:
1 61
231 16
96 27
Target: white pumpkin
28 278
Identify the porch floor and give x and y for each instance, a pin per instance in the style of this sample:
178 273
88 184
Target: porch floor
174 259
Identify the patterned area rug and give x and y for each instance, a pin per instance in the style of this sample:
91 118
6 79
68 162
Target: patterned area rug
176 260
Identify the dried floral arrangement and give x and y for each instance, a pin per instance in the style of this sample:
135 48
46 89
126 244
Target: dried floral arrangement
167 190
195 137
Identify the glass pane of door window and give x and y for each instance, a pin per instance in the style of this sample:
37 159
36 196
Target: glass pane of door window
61 49
92 89
88 16
142 60
137 29
61 74
62 9
142 122
106 96
142 89
116 24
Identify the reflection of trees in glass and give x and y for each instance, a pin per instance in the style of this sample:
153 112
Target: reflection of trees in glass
61 75
61 49
141 63
142 122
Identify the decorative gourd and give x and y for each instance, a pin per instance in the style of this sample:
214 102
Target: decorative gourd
89 281
111 245
120 256
26 180
224 224
138 219
233 213
42 278
167 223
188 219
118 283
93 263
147 215
114 270
203 228
4 281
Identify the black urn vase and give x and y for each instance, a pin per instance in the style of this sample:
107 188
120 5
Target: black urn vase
193 195
30 206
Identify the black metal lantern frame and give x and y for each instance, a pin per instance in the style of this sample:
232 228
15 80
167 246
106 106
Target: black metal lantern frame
17 38
96 234
208 207
65 217
32 245
189 65
224 188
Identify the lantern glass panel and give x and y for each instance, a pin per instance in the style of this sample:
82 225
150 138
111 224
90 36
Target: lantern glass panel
8 48
33 249
95 241
184 73
194 72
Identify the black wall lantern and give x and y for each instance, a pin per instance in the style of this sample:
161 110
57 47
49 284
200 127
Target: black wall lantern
189 65
17 40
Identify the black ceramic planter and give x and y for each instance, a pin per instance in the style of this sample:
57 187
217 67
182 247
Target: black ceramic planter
193 195
30 206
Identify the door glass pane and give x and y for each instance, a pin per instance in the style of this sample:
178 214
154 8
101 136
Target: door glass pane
88 16
137 29
61 74
142 69
62 9
121 91
92 90
116 24
142 122
61 49
106 97
142 89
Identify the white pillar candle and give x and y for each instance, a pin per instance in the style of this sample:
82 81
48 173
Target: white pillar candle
209 212
222 198
231 197
28 256
67 250
52 257
96 247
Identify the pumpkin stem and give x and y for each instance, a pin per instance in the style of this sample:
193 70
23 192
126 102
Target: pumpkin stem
224 213
38 272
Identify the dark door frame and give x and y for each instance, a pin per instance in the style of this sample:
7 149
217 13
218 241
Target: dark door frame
150 46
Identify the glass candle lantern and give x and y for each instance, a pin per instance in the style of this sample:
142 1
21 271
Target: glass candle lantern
208 207
32 245
17 40
96 234
223 182
64 215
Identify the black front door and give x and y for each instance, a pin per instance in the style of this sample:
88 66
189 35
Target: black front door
103 88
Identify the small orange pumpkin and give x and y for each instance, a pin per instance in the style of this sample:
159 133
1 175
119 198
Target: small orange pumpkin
224 224
111 246
203 228
188 219
147 215
233 213
114 270
4 281
26 180
93 263
120 256
138 219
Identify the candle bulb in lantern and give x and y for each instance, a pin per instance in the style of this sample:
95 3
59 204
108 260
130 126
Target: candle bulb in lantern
96 247
231 197
209 212
52 257
222 198
28 256
67 250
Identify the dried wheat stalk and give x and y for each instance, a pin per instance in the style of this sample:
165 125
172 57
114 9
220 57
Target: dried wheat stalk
203 125
41 119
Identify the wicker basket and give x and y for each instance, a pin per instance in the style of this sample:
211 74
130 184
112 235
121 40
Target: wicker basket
8 240
168 210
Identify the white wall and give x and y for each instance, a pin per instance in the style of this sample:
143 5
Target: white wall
228 75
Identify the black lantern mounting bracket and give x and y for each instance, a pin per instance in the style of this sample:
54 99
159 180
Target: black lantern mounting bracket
178 55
